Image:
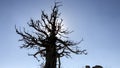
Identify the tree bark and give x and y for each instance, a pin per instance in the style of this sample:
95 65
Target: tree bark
51 58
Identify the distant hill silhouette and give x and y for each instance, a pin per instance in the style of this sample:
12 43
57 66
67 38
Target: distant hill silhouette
96 66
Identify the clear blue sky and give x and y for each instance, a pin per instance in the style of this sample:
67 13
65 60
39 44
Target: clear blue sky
96 21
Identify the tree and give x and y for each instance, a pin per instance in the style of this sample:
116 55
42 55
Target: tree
49 39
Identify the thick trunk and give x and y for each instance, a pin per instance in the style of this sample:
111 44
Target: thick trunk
51 58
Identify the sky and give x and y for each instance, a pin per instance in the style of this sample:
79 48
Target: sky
96 21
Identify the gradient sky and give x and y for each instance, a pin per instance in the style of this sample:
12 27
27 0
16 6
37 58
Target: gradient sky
96 21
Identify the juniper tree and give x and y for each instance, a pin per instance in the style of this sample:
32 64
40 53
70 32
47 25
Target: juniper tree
49 39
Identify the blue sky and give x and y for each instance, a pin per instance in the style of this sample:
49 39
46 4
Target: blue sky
96 21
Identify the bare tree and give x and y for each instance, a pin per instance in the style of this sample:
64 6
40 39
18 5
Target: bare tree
49 39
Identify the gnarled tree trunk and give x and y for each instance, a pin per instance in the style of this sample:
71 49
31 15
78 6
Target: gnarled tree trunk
51 58
51 54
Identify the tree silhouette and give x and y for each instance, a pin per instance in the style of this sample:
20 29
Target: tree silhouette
49 39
